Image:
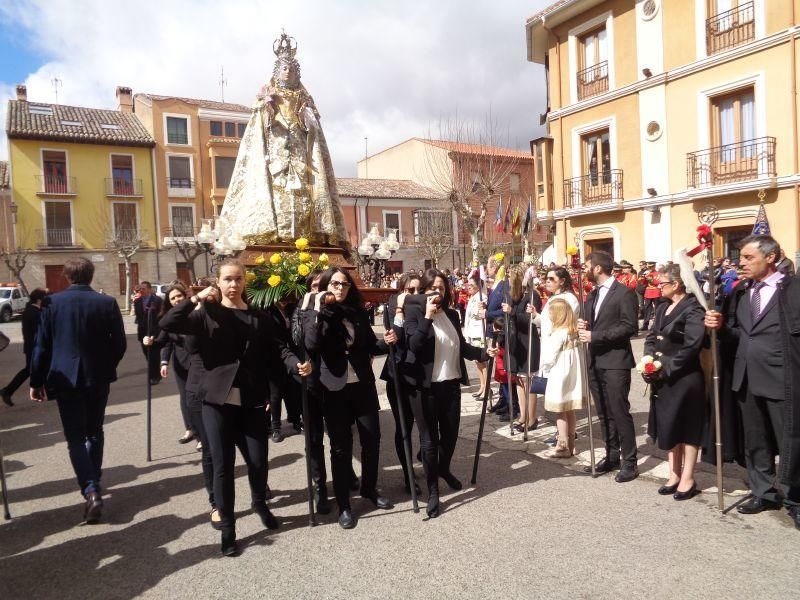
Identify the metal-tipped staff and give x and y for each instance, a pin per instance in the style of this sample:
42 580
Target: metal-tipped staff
584 359
301 349
528 380
3 488
398 391
149 409
507 360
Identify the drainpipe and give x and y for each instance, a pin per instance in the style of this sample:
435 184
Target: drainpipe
796 159
156 217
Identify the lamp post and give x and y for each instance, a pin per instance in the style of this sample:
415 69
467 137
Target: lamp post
220 240
374 251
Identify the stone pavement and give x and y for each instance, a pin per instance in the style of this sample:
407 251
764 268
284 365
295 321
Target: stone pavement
531 527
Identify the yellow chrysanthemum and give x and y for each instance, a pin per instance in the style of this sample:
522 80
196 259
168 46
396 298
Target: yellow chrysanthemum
303 270
261 260
251 277
501 273
304 257
274 280
572 250
323 258
301 243
499 257
275 259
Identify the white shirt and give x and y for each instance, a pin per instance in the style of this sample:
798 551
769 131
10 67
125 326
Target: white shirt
602 291
473 326
446 351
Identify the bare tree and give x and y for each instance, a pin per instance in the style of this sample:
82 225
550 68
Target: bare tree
188 247
471 173
125 236
16 259
434 232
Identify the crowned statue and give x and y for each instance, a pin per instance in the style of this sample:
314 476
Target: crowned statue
283 185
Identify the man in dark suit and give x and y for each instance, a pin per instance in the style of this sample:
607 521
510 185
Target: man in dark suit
80 342
30 325
147 307
608 325
761 323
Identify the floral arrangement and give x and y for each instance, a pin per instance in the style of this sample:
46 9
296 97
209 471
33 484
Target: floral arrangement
572 250
282 274
500 257
648 366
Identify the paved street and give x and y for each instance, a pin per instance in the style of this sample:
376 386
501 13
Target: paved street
532 527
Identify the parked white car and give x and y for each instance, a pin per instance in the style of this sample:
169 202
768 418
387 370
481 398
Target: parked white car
12 302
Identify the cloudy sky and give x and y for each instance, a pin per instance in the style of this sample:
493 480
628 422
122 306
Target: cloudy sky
383 69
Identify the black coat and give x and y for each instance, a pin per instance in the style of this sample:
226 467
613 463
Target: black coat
178 347
31 317
678 399
518 323
147 321
228 349
400 347
613 328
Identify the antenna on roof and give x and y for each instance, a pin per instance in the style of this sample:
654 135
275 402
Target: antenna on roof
366 157
57 83
222 82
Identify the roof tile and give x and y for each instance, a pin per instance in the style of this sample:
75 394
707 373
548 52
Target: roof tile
383 188
464 148
212 104
4 178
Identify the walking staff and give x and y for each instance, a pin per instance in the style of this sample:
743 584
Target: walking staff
302 357
584 353
507 359
149 411
4 341
528 380
387 324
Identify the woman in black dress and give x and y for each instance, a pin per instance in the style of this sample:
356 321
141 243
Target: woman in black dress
678 396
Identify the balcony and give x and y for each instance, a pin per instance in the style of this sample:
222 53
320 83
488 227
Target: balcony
57 238
54 185
124 188
180 187
593 189
730 28
593 80
731 163
181 139
179 234
127 236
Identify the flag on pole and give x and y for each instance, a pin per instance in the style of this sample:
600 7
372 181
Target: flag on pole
507 218
498 217
515 221
761 226
527 225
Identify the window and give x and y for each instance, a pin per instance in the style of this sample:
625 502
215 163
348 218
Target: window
223 169
391 220
54 166
513 182
597 157
242 127
476 181
182 220
538 153
230 129
38 109
734 155
58 221
182 273
125 223
122 174
110 126
180 171
216 127
177 130
72 123
727 240
730 23
592 64
15 295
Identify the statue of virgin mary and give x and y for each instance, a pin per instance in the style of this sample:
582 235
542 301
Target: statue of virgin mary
282 185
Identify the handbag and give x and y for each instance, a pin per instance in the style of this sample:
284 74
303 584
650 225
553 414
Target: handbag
538 385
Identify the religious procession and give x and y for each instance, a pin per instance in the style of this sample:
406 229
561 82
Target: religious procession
392 389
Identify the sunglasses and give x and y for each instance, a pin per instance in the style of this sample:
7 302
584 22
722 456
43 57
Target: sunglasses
413 290
340 285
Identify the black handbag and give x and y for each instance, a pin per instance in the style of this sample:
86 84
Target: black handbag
538 385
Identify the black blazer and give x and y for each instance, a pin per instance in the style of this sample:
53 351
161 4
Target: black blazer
421 344
147 321
613 328
80 341
229 349
518 322
31 317
681 340
327 344
179 348
400 346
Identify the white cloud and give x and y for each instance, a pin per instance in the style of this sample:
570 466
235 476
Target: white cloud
384 69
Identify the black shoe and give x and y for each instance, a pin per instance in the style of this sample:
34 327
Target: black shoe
668 490
755 505
452 481
94 507
552 441
298 427
604 466
346 520
267 518
277 436
6 398
433 506
378 500
215 524
186 438
627 473
794 512
321 503
690 493
229 542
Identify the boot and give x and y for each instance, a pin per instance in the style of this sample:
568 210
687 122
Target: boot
321 503
229 542
561 450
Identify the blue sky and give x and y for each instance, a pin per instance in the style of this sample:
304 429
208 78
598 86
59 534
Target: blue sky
17 57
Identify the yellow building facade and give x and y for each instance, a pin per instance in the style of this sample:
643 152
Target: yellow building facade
657 109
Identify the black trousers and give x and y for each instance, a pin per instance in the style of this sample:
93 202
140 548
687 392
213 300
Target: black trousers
287 390
197 425
648 311
180 380
438 413
610 389
153 360
355 402
228 426
408 415
316 433
20 377
762 420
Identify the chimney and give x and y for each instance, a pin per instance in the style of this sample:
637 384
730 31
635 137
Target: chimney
22 93
124 99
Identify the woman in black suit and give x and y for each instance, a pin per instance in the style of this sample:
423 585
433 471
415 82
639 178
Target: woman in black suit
237 346
435 355
678 396
341 339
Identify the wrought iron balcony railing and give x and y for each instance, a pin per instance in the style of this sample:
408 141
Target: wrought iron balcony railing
593 80
56 237
123 187
179 232
593 189
178 138
56 185
742 161
731 28
182 183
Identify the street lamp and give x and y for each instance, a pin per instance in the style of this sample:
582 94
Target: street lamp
375 250
219 239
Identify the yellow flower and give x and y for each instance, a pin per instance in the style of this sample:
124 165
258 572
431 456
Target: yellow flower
572 250
501 273
499 257
261 260
275 259
303 270
251 277
274 280
304 257
323 258
301 243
